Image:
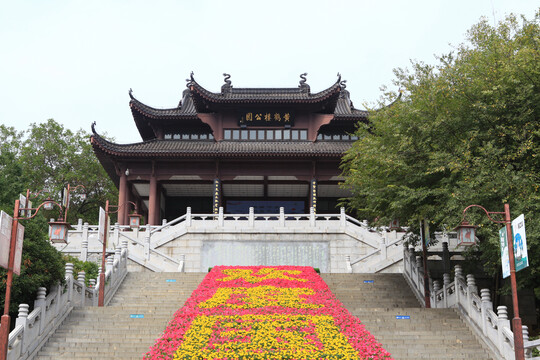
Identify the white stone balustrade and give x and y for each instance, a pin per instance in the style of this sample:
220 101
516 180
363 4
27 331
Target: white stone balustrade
32 330
177 245
476 309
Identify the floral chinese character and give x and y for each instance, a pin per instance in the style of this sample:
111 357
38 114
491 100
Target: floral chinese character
267 117
277 117
249 117
258 117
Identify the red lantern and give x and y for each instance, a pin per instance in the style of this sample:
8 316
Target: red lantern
466 234
58 231
134 220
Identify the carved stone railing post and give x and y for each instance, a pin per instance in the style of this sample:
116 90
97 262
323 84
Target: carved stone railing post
410 253
446 286
528 352
251 218
117 253
147 239
502 322
221 218
486 305
92 283
342 218
116 234
80 278
84 235
420 273
383 242
458 276
471 289
458 271
69 280
281 217
22 319
109 263
181 263
436 288
348 264
188 217
311 217
40 303
84 250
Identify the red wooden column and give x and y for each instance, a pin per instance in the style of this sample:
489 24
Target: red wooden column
153 202
122 200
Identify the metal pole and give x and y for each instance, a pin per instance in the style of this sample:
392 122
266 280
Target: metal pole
516 321
67 203
101 296
427 300
6 319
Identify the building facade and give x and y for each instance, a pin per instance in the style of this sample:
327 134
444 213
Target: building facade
242 147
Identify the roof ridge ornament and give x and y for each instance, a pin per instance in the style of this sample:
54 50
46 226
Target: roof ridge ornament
94 126
304 87
131 94
190 81
227 87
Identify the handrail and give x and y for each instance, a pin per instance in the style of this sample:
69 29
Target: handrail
169 223
376 251
32 330
493 327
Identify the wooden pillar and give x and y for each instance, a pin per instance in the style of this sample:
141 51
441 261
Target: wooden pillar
153 202
216 198
122 199
313 194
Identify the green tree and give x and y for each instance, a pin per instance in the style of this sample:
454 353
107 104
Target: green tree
11 179
53 156
465 131
47 156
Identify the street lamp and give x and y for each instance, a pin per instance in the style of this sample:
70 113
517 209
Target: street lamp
468 233
134 220
20 213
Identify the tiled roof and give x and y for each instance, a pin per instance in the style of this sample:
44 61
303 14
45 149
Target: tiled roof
334 99
185 109
265 95
210 148
345 108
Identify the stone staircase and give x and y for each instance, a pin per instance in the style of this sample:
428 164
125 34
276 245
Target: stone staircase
119 332
387 307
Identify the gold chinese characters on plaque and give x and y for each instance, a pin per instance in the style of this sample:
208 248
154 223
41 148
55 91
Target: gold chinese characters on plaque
265 118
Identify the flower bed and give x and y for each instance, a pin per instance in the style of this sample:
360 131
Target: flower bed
261 312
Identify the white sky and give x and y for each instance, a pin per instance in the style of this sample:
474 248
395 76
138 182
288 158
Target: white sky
75 61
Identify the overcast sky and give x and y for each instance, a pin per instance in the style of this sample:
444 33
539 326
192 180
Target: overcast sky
74 61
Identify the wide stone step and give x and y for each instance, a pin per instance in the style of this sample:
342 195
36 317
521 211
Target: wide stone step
146 302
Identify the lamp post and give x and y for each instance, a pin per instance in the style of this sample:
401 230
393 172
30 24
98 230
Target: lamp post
467 232
134 220
6 318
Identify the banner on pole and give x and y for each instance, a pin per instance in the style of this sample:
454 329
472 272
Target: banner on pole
102 225
505 259
6 223
18 250
520 243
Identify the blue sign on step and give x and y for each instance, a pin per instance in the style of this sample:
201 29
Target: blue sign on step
170 280
403 317
368 281
137 316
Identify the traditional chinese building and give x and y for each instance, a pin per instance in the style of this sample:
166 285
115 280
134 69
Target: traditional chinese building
242 147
